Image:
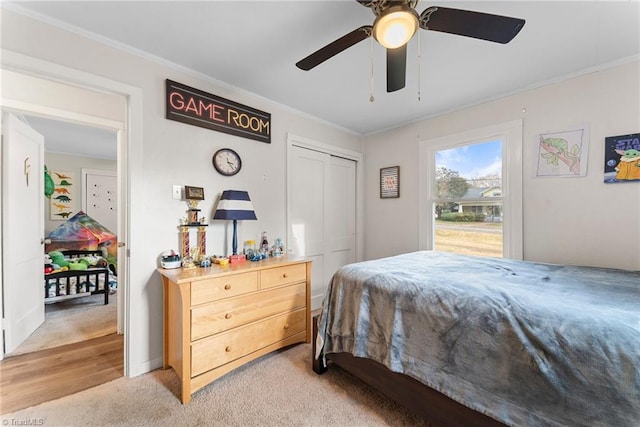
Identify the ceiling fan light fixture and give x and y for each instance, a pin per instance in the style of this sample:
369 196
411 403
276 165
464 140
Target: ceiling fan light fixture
395 27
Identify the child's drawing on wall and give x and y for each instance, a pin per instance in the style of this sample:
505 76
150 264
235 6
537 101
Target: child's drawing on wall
563 153
622 158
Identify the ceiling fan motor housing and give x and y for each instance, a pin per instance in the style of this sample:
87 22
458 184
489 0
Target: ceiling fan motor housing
378 7
395 26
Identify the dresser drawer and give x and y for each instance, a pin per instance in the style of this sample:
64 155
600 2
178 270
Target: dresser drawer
217 317
204 291
272 277
219 349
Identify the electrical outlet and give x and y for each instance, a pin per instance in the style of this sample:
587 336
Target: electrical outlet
177 192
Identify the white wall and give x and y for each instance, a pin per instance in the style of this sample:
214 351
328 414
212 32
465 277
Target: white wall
579 221
176 153
75 164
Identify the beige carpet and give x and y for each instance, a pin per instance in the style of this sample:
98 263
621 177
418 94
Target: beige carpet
279 389
71 321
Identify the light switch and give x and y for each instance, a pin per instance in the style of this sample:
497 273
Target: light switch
177 192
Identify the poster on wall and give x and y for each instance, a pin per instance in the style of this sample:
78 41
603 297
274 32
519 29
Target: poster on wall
390 182
622 158
563 153
63 198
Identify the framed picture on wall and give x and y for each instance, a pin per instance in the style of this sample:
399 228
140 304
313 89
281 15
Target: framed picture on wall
193 193
390 182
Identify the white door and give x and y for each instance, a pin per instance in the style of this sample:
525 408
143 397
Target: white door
341 216
307 214
99 199
23 230
321 217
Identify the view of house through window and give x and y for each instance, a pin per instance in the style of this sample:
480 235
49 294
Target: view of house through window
468 199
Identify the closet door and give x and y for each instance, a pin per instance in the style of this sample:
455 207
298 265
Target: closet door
100 197
340 229
321 214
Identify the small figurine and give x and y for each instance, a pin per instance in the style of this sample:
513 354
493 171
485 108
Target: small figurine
264 242
259 256
187 263
221 260
249 249
195 253
278 248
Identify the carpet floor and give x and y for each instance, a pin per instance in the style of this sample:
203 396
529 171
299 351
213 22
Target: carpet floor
72 321
278 389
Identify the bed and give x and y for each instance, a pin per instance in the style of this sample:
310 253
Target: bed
62 285
81 232
483 341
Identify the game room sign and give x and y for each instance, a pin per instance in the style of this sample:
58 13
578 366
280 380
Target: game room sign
195 107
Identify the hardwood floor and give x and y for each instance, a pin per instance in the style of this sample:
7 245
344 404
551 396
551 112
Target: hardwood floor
34 378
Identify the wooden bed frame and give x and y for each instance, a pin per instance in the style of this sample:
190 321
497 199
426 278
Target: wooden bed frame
433 406
61 280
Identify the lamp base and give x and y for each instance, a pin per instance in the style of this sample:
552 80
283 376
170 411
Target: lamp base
237 259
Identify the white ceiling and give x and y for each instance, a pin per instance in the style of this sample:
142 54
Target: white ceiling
74 139
254 45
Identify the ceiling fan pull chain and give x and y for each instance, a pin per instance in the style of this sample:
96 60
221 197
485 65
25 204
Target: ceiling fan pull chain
371 97
419 62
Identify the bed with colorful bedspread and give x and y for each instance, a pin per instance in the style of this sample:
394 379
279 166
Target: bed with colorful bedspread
520 343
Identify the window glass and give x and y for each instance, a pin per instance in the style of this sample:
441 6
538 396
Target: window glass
468 203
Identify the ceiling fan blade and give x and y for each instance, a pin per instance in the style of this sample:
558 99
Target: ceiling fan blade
334 48
396 68
484 26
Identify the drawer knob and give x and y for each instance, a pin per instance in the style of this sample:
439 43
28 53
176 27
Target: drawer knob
286 326
227 316
284 275
227 349
227 287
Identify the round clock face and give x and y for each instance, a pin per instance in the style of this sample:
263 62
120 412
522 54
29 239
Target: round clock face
227 162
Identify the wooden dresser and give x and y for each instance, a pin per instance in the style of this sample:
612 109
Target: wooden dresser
219 318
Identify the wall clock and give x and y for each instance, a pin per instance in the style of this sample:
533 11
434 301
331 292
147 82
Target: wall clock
227 162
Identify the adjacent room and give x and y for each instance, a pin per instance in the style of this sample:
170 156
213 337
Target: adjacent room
78 216
320 213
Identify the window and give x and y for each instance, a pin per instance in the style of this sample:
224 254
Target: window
490 191
468 205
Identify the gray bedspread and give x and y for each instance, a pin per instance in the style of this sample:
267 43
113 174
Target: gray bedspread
525 343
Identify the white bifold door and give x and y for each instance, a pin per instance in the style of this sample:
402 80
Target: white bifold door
321 214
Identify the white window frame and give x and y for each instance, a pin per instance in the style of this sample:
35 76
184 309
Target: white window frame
510 133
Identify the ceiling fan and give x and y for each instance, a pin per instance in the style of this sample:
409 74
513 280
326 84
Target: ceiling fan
397 21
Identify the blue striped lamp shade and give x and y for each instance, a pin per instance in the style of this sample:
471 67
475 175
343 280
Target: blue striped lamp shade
235 204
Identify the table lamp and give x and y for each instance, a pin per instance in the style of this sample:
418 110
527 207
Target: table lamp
235 205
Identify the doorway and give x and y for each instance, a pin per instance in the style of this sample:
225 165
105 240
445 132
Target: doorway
69 149
118 105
